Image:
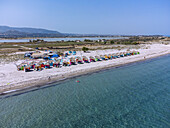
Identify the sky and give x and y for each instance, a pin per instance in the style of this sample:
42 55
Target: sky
130 17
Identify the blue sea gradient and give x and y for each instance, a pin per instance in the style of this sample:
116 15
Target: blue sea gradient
132 96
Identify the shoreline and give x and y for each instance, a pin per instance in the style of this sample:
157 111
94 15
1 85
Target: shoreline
43 82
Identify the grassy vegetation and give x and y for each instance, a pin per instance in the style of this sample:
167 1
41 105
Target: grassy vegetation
59 44
9 46
132 43
11 58
54 44
85 49
74 45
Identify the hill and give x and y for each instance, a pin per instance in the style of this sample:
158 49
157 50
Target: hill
27 30
16 32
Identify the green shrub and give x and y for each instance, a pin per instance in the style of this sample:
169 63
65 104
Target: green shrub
85 49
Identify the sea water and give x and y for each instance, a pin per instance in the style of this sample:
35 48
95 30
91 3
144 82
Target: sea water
60 39
132 96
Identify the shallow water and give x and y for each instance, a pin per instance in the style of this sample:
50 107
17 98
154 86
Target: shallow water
60 39
135 95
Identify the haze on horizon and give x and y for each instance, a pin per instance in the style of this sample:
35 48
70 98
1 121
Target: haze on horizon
130 17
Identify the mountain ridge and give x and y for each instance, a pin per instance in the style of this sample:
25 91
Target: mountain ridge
16 32
24 32
27 30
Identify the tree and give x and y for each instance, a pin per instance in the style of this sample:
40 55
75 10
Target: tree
85 49
112 42
87 40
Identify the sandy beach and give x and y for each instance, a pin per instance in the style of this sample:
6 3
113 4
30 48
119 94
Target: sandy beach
11 79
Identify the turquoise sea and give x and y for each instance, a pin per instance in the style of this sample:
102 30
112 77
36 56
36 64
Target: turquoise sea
132 96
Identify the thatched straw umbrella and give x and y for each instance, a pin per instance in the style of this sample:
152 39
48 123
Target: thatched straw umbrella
106 57
133 53
92 59
97 58
20 67
124 53
128 53
102 57
27 68
110 56
85 59
57 63
118 55
114 56
72 61
79 60
121 54
47 65
65 63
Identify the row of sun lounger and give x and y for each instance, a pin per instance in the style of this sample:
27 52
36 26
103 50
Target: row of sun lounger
58 63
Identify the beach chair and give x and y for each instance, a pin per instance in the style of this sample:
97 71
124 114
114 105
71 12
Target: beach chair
102 57
92 59
121 54
72 61
110 56
79 60
85 59
97 58
106 57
